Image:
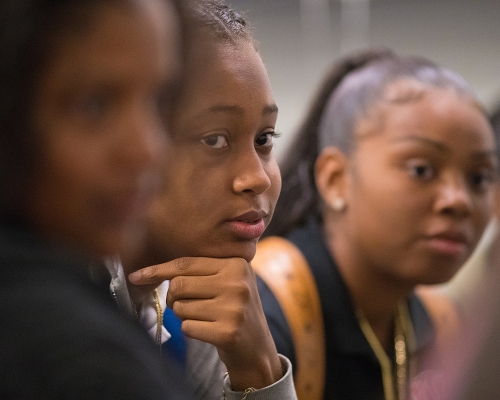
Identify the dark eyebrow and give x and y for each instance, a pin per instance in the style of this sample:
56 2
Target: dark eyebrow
437 145
486 154
233 109
270 109
443 148
226 109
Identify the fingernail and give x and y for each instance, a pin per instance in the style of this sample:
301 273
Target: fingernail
135 277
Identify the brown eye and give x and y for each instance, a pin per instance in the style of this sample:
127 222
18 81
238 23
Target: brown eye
215 141
421 170
92 106
266 139
481 180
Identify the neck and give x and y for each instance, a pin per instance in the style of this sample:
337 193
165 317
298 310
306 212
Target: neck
149 256
372 291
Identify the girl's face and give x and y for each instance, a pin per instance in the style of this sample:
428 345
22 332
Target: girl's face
421 186
98 110
222 179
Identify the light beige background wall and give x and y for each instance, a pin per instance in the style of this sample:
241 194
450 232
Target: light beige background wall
300 39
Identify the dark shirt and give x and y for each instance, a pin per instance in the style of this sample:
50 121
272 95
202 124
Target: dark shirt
352 369
61 335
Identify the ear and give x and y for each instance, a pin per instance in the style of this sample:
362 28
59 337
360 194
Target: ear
330 173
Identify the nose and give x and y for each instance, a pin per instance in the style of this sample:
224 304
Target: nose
454 197
251 175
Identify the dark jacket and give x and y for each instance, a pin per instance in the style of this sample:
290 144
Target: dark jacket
61 335
352 369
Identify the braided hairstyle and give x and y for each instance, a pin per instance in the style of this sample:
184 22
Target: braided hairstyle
352 87
210 20
221 22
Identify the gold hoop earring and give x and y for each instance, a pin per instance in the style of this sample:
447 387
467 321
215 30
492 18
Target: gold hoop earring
338 204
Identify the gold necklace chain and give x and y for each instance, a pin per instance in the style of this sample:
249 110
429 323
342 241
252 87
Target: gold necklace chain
401 357
159 316
395 380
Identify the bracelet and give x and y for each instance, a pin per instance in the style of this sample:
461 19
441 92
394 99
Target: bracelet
245 393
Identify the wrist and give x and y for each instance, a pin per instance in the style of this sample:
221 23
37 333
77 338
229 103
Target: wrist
259 374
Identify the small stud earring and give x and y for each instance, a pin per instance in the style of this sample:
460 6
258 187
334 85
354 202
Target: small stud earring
338 204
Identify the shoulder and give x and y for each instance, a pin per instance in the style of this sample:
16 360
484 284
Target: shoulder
68 338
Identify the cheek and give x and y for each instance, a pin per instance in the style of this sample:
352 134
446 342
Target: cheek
193 191
485 209
69 180
275 179
161 221
73 200
389 207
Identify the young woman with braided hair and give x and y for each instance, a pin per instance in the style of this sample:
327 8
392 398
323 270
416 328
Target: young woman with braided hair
221 185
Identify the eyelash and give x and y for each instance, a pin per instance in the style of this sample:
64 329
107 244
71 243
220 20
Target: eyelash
215 136
420 169
273 134
485 177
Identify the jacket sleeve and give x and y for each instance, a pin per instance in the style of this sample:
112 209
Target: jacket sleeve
283 389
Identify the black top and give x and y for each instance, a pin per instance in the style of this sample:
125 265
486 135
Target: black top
352 369
61 335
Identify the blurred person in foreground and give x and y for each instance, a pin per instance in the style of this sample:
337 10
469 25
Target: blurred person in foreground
221 185
84 85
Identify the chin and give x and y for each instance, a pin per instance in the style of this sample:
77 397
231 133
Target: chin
437 277
127 244
245 250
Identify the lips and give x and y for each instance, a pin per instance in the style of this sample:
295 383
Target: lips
449 243
248 226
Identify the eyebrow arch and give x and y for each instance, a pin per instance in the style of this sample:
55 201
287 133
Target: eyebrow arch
486 154
234 109
438 146
270 109
443 148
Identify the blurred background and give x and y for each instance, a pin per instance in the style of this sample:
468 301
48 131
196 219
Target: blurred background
300 39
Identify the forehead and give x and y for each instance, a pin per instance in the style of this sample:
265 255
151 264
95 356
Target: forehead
118 39
223 72
439 114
